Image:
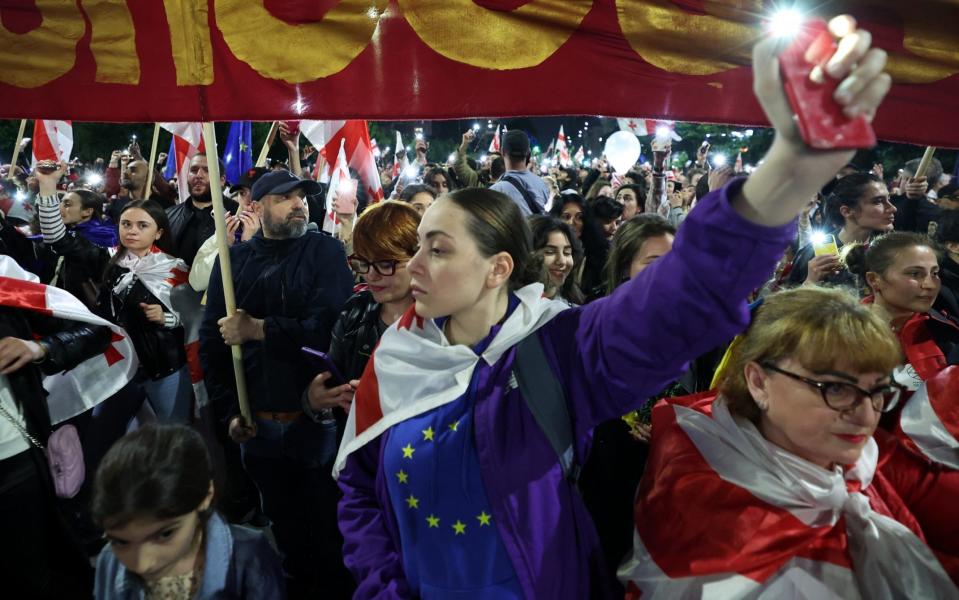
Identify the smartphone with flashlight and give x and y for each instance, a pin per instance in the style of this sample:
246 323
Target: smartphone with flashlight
823 244
293 127
821 121
322 363
418 132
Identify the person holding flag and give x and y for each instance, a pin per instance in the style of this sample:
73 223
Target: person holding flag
459 460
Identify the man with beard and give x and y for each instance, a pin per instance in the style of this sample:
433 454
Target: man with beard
290 285
191 221
127 178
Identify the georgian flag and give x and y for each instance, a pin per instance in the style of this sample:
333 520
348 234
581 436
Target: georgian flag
642 127
723 513
341 173
354 137
52 140
425 371
399 163
561 148
95 379
929 421
494 145
186 143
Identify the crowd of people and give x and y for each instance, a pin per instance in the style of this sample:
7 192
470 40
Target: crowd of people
500 382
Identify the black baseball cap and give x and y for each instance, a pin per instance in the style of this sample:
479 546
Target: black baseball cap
516 143
249 178
281 182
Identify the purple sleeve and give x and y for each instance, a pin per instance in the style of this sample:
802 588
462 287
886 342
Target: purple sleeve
369 550
615 352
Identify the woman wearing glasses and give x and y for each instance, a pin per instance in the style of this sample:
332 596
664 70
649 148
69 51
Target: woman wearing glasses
782 464
384 240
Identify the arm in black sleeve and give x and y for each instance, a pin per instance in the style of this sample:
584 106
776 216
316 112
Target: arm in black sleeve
68 343
215 356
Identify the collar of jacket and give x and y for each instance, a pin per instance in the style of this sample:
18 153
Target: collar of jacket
264 245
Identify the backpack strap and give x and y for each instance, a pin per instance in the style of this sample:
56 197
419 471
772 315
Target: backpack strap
531 202
546 399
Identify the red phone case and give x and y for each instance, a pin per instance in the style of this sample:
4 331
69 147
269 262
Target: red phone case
822 123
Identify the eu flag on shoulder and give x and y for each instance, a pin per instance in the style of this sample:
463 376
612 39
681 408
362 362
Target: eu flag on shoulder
238 152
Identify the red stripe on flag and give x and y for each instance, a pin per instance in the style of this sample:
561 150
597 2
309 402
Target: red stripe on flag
193 361
25 295
367 401
42 144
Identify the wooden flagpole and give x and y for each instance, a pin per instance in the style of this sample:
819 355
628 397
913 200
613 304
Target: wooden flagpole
226 272
261 160
153 159
16 150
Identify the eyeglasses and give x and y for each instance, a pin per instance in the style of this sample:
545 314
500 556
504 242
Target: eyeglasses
383 267
845 396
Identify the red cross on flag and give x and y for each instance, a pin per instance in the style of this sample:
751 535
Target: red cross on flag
187 142
52 140
95 379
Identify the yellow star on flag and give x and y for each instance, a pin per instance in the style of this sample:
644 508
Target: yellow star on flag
413 501
428 434
459 527
408 451
434 521
483 518
454 425
402 476
243 147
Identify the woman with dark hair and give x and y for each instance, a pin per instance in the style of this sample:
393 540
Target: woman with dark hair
947 234
599 224
75 239
568 207
142 291
561 253
419 195
628 195
452 486
153 496
857 209
439 179
636 244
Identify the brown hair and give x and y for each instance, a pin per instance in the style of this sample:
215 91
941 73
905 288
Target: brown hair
627 241
496 225
387 231
819 327
881 253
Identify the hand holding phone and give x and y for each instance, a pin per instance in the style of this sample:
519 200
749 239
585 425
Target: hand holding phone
345 202
321 362
822 123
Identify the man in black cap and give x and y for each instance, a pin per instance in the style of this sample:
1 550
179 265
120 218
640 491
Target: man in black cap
290 285
526 189
191 221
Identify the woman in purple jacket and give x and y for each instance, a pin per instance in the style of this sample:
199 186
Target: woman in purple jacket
451 488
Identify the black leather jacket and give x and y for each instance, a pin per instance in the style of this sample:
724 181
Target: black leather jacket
180 217
68 344
160 350
81 269
355 334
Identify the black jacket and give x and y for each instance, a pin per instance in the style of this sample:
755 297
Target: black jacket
69 343
948 300
355 335
82 267
182 216
297 286
914 215
160 350
800 269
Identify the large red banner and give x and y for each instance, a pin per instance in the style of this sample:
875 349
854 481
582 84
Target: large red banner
193 60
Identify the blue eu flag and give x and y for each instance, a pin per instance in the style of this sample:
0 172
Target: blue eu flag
238 152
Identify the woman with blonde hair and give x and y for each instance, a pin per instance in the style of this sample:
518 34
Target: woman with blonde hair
783 465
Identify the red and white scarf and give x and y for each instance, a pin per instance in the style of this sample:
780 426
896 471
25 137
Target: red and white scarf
766 521
930 418
168 279
420 369
95 379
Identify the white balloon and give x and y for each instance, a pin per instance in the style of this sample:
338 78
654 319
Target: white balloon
622 151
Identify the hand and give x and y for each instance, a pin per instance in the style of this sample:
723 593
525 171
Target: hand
153 312
135 151
676 200
289 139
240 430
661 150
48 181
161 158
916 188
320 396
233 224
821 267
877 170
240 327
345 202
863 86
719 177
115 159
16 353
421 146
468 138
701 155
251 224
642 432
